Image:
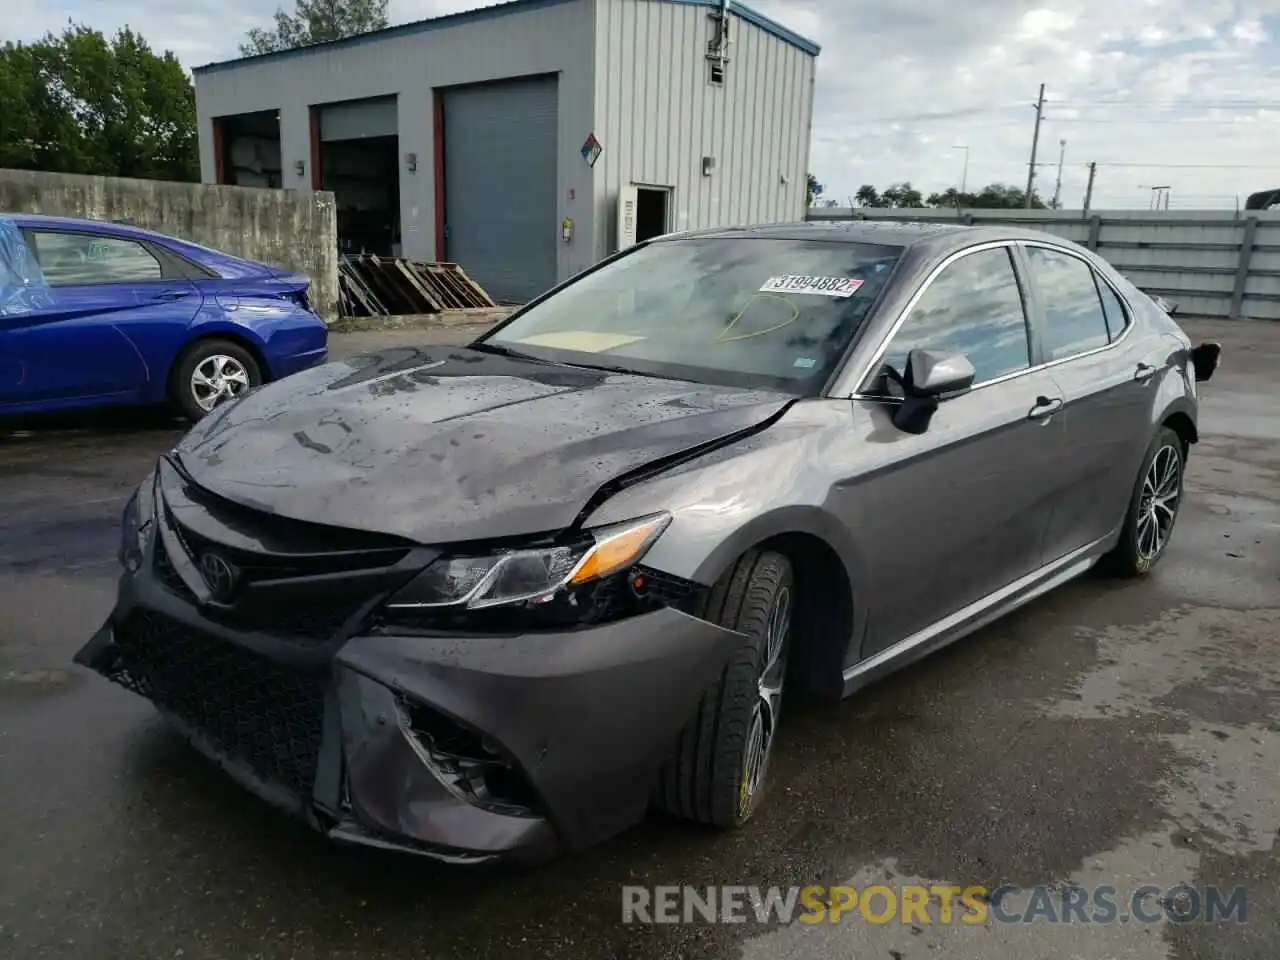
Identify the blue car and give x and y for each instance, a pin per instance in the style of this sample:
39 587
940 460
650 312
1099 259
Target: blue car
106 314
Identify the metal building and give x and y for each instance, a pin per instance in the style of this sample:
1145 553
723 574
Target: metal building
527 140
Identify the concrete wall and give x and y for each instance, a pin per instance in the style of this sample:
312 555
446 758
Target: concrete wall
1213 264
285 228
550 36
657 115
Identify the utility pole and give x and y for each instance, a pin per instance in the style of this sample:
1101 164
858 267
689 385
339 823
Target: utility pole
1035 143
1057 190
964 173
1088 191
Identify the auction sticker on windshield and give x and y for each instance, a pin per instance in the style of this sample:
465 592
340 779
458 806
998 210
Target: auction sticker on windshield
820 286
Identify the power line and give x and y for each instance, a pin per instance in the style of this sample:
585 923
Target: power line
1162 121
1190 166
962 112
1208 104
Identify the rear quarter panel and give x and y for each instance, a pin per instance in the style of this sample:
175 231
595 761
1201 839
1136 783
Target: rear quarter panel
286 337
1169 350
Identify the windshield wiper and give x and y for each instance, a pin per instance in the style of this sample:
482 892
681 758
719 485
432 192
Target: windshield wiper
605 368
501 351
484 346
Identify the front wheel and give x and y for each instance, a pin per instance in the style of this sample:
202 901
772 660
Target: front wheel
1153 509
209 372
716 774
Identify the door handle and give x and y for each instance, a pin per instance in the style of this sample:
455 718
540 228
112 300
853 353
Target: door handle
1144 372
170 295
1045 407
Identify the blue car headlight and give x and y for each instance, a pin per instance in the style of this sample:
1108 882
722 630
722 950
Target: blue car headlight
533 575
137 525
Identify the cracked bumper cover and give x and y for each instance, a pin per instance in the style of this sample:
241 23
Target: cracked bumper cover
586 715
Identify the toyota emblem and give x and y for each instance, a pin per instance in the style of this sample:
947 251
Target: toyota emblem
219 574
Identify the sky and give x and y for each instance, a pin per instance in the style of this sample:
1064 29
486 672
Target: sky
1176 93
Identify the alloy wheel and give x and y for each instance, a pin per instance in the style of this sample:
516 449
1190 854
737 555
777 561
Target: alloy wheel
764 718
217 378
1158 507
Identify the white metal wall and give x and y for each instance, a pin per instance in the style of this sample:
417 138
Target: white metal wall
555 36
657 116
1213 264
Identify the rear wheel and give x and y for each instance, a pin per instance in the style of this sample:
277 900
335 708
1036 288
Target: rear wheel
209 372
717 773
1153 509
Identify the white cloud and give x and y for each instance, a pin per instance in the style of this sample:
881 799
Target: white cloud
1154 82
1250 31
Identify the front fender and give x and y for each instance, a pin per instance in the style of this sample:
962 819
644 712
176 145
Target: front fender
764 487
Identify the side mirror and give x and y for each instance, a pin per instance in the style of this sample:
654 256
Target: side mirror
929 377
931 373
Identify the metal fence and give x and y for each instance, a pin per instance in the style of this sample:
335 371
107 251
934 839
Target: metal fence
1212 264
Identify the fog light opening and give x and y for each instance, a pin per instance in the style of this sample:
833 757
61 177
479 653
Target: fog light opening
472 766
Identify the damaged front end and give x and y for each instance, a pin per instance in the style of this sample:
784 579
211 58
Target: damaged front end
337 675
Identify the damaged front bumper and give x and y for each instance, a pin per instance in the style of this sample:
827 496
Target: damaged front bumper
463 748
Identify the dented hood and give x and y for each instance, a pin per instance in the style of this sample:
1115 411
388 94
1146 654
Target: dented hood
452 444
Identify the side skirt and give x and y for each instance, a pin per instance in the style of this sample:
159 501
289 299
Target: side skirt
975 616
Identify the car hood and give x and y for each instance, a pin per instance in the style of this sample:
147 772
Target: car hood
453 443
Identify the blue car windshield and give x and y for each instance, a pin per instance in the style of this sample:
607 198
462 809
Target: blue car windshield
754 312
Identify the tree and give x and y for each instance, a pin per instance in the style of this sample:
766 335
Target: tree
902 195
815 189
868 196
994 196
80 103
316 21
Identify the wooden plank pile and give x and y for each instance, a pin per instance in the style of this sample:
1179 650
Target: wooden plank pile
373 286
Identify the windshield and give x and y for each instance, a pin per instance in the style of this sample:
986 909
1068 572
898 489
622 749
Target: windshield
754 312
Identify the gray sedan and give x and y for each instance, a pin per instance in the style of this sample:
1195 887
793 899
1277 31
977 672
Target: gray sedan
498 601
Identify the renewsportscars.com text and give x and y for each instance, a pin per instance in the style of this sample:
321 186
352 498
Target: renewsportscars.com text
934 904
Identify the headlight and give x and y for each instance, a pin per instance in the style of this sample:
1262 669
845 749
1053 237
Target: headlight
530 575
137 524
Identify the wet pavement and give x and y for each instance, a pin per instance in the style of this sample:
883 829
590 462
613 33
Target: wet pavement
1112 733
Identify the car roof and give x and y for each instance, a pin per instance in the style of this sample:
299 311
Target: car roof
78 223
923 235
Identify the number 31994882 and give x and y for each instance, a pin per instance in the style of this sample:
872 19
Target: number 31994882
818 286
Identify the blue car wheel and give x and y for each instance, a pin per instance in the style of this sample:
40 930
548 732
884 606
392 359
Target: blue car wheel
209 372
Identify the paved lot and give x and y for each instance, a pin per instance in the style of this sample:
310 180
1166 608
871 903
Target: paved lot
1118 734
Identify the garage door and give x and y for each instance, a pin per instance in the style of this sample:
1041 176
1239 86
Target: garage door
500 185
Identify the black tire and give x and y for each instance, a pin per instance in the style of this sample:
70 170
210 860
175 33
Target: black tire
706 778
1133 555
184 394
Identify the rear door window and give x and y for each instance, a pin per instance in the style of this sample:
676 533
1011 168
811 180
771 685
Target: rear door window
974 306
1074 321
1112 308
76 259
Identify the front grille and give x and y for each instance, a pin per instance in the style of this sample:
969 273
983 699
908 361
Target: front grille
260 567
307 625
253 709
169 576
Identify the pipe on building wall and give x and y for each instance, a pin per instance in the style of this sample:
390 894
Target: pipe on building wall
439 172
718 49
